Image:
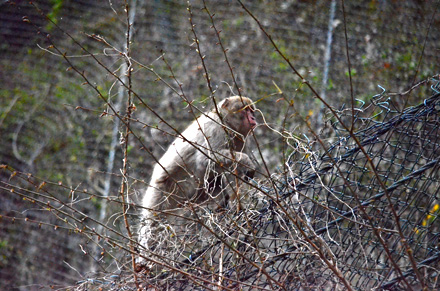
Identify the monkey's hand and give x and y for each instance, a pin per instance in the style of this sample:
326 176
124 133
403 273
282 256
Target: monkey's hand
237 162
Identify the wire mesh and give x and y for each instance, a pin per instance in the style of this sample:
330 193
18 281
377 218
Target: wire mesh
355 205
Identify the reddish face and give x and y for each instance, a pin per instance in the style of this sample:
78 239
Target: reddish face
238 113
248 120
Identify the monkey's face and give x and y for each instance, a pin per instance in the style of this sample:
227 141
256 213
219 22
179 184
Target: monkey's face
239 114
248 120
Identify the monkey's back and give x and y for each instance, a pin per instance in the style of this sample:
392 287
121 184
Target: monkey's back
171 180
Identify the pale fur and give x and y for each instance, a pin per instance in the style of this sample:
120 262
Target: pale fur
190 163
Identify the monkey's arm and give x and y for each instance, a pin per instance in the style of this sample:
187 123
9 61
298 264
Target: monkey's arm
235 162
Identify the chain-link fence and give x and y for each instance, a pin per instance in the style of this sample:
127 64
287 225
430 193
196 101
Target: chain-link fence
364 214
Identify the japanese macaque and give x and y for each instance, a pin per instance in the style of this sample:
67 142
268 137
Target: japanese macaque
203 163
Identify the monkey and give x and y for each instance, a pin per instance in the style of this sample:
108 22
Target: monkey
194 167
181 174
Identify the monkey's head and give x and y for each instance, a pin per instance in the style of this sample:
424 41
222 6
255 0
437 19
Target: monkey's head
238 113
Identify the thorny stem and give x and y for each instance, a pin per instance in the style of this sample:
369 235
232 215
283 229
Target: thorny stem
212 92
237 190
224 50
129 110
231 70
349 69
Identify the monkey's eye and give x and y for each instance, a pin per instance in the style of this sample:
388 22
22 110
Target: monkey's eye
249 109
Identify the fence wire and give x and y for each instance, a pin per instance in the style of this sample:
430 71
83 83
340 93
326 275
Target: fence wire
333 209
